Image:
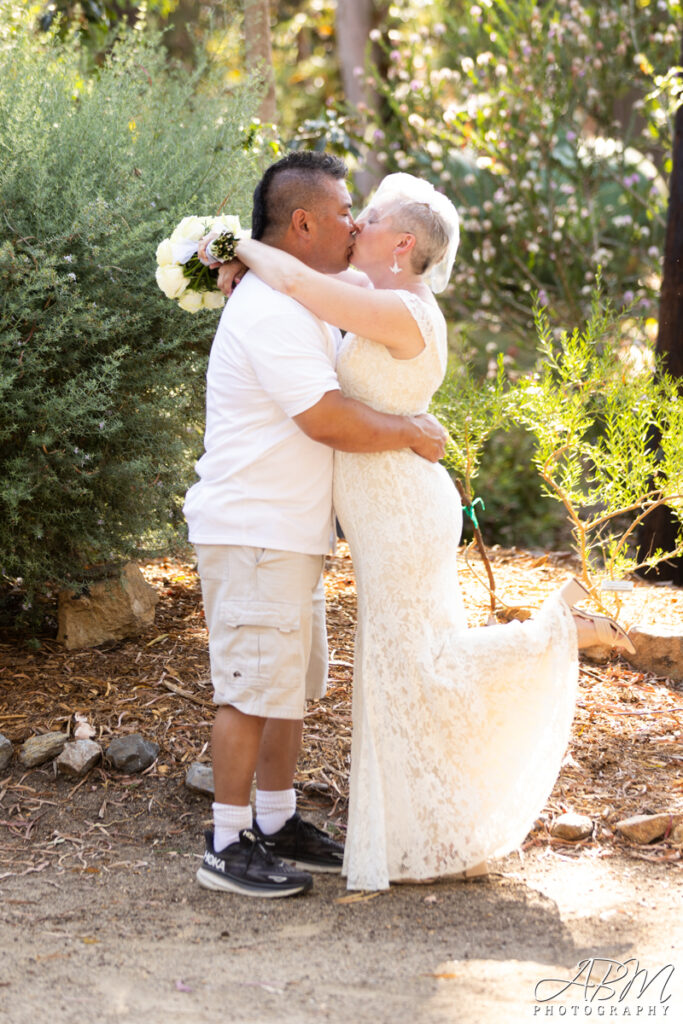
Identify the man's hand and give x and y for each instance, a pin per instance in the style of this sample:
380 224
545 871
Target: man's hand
431 444
350 426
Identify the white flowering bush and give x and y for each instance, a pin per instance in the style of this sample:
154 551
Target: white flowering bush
101 378
549 125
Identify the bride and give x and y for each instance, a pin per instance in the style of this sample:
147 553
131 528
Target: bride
458 734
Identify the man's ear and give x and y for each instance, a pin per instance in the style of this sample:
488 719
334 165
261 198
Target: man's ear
301 222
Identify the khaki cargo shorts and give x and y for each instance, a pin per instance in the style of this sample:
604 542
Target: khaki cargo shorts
265 611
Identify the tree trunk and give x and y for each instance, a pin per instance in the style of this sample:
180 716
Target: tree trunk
178 37
258 53
661 527
355 20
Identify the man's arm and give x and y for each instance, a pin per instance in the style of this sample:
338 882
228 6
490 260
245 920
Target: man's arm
350 426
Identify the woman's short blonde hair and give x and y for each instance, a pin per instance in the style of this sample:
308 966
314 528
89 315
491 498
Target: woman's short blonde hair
431 235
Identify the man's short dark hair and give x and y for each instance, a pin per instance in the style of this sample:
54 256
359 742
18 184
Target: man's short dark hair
293 182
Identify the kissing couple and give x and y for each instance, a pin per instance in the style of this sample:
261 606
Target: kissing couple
458 734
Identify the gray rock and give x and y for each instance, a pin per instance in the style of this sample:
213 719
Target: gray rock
199 778
659 649
110 610
572 826
131 754
644 828
6 751
39 749
78 758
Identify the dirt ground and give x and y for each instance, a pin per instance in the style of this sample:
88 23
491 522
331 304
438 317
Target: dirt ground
101 919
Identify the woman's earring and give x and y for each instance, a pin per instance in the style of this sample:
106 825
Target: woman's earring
394 268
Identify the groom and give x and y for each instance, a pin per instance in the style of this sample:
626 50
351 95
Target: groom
260 518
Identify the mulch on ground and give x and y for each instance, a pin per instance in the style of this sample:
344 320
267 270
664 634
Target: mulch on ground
625 756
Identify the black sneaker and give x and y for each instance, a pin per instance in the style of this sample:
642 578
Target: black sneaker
247 867
302 844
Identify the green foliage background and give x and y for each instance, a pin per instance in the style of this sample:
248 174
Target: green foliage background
547 123
101 377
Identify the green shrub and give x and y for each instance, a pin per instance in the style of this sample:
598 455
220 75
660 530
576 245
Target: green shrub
101 376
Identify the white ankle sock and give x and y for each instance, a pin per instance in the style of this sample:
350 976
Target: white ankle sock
273 807
228 822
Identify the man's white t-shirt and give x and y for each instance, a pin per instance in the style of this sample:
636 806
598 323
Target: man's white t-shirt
262 481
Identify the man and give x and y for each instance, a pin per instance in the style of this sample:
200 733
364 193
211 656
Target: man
260 518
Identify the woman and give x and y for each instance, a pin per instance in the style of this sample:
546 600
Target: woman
458 734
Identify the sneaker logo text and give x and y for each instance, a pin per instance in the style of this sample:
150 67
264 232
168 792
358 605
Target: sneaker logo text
214 862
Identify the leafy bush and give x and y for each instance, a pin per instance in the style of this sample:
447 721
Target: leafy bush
101 377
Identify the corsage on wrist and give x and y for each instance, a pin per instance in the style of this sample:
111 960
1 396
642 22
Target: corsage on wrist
222 249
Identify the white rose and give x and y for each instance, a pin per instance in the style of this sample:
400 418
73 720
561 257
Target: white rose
213 300
165 252
190 229
190 301
171 280
226 223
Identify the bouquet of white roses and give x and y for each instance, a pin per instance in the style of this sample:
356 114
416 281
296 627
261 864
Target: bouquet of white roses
180 273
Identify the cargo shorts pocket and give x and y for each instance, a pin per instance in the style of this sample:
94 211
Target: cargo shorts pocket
261 640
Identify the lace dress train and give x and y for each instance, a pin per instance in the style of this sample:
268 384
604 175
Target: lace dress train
458 734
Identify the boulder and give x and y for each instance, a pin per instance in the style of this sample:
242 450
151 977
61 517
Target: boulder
659 649
677 835
644 828
110 609
77 758
39 749
572 826
131 754
6 751
199 778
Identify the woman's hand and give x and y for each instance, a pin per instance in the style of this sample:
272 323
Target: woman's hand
230 275
201 249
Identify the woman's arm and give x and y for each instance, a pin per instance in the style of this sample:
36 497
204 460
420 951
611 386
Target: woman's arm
377 314
353 276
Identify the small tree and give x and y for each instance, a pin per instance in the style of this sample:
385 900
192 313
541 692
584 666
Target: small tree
591 413
471 411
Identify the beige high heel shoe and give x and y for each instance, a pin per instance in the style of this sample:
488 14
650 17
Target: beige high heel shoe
478 871
593 629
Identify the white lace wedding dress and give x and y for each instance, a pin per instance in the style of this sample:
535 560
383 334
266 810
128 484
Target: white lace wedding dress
458 734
